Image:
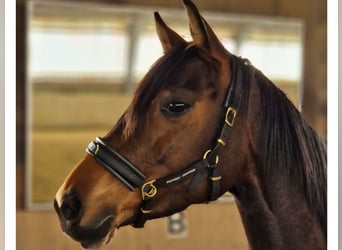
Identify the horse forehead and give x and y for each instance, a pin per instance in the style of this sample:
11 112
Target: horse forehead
194 76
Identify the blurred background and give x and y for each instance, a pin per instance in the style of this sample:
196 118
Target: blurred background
78 63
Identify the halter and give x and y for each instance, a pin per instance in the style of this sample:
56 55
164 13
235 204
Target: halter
133 178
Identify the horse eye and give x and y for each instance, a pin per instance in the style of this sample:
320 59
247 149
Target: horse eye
175 108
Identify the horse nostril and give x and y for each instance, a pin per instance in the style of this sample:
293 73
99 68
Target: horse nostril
71 207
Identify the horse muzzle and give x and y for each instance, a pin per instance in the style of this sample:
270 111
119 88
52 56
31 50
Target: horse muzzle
91 236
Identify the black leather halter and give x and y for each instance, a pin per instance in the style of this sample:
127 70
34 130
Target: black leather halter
133 178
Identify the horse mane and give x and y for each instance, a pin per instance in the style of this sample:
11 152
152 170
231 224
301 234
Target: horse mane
290 146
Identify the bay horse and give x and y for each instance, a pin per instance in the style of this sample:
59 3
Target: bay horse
202 122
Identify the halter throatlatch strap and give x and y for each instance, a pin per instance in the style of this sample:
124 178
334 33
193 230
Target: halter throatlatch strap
208 166
240 69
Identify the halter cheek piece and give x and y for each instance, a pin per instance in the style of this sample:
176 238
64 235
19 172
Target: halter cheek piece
133 178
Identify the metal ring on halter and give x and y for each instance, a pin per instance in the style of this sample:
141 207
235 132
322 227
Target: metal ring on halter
150 193
207 153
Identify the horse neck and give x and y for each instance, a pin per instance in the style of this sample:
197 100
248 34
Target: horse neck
276 218
275 215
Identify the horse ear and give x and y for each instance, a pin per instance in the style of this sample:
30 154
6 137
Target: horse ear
197 27
167 36
201 32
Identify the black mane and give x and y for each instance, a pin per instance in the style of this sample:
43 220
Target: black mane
289 145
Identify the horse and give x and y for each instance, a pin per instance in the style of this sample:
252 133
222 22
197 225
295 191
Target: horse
202 122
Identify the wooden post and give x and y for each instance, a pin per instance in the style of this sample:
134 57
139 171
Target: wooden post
133 31
20 100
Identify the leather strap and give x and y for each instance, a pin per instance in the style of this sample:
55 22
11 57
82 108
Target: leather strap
241 73
116 164
133 178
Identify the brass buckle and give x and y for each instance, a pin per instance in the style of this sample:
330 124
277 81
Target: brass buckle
145 211
217 178
206 154
230 112
151 193
222 142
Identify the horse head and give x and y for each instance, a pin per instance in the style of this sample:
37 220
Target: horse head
172 121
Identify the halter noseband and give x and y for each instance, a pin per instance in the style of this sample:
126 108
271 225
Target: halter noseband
133 178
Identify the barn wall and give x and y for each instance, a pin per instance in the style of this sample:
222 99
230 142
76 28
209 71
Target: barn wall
314 15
